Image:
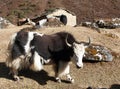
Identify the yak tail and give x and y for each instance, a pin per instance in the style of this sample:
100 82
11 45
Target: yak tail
8 54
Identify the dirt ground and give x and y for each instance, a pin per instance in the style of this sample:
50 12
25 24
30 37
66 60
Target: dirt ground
97 75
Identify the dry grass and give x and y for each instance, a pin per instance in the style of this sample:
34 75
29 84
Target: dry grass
101 74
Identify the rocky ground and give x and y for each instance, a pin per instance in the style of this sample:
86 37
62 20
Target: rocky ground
97 75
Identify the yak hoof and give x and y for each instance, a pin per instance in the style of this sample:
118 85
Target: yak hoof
72 81
58 80
16 78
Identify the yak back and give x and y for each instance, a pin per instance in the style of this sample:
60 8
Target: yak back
53 46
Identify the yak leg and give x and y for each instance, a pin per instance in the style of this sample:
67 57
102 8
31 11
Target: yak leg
57 77
14 73
70 78
63 69
16 64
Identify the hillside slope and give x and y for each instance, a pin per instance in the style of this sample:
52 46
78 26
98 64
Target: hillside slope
86 10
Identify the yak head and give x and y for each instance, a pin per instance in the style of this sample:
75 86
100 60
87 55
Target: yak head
79 50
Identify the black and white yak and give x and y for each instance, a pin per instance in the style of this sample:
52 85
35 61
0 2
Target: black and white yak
33 50
37 22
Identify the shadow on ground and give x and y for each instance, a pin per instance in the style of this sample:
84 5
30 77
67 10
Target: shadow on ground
115 86
41 77
4 71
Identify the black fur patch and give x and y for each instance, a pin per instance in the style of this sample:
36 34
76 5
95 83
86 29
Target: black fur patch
54 46
18 46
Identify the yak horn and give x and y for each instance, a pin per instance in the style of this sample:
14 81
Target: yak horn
68 44
88 42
